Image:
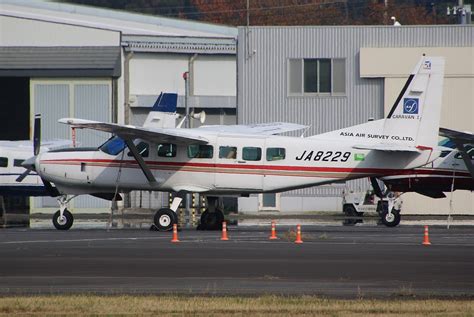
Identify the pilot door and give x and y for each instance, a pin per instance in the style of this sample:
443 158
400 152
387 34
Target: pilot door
239 164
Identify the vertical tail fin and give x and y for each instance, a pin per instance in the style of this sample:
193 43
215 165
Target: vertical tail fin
417 110
413 121
163 113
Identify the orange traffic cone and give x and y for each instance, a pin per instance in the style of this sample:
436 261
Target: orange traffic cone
298 234
175 233
426 238
224 231
273 236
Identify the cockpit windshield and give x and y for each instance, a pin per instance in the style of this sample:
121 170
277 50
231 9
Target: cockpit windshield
113 146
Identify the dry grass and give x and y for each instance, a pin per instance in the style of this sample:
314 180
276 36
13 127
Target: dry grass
84 305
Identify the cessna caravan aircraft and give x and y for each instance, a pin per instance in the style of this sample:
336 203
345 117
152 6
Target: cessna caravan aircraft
246 159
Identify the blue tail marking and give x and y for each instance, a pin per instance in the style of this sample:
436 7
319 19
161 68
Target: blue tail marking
166 102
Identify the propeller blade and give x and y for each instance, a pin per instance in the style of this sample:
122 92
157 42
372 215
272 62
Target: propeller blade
29 165
37 135
23 175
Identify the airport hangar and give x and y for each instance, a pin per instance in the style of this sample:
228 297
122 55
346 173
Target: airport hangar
362 70
64 60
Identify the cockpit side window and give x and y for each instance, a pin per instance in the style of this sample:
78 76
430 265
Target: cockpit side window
142 148
113 146
469 151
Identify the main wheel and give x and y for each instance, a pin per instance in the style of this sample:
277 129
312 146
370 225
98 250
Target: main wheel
212 220
391 220
64 223
164 219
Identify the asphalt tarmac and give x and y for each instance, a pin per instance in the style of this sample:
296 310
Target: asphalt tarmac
342 262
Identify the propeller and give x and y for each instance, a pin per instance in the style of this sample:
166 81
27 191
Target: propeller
29 164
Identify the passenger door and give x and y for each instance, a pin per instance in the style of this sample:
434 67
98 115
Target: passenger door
239 164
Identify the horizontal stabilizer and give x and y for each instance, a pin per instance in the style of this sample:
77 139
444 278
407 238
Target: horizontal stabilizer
387 147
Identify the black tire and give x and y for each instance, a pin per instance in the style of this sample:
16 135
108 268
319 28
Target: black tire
164 219
211 220
349 210
392 221
65 223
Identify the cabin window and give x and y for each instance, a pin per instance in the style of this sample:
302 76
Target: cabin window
275 153
113 146
143 149
227 152
444 153
251 153
200 151
167 150
17 162
3 161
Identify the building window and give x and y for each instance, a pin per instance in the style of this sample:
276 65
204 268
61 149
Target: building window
251 153
316 76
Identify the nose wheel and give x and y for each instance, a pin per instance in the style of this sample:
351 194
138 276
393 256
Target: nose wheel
63 222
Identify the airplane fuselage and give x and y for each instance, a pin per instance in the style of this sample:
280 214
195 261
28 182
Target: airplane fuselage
228 164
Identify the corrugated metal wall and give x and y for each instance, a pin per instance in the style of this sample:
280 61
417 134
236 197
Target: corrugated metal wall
263 54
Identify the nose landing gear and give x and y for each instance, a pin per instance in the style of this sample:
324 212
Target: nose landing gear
63 218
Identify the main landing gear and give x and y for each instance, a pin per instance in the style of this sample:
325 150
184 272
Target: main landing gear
63 219
211 218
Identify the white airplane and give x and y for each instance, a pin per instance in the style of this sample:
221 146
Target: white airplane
453 170
245 159
12 156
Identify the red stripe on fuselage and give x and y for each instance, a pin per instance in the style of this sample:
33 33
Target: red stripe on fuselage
244 166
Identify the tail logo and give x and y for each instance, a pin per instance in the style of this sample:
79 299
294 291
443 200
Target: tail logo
427 65
410 105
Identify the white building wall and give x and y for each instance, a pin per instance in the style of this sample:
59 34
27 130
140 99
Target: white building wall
152 73
24 32
215 75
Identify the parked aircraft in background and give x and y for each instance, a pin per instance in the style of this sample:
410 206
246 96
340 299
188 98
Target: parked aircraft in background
12 156
451 171
245 159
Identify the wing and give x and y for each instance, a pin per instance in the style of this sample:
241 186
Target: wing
262 128
127 132
460 139
463 137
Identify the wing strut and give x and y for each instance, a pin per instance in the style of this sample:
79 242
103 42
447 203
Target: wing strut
149 176
465 157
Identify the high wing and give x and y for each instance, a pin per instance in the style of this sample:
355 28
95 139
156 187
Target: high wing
128 132
454 135
460 139
262 128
